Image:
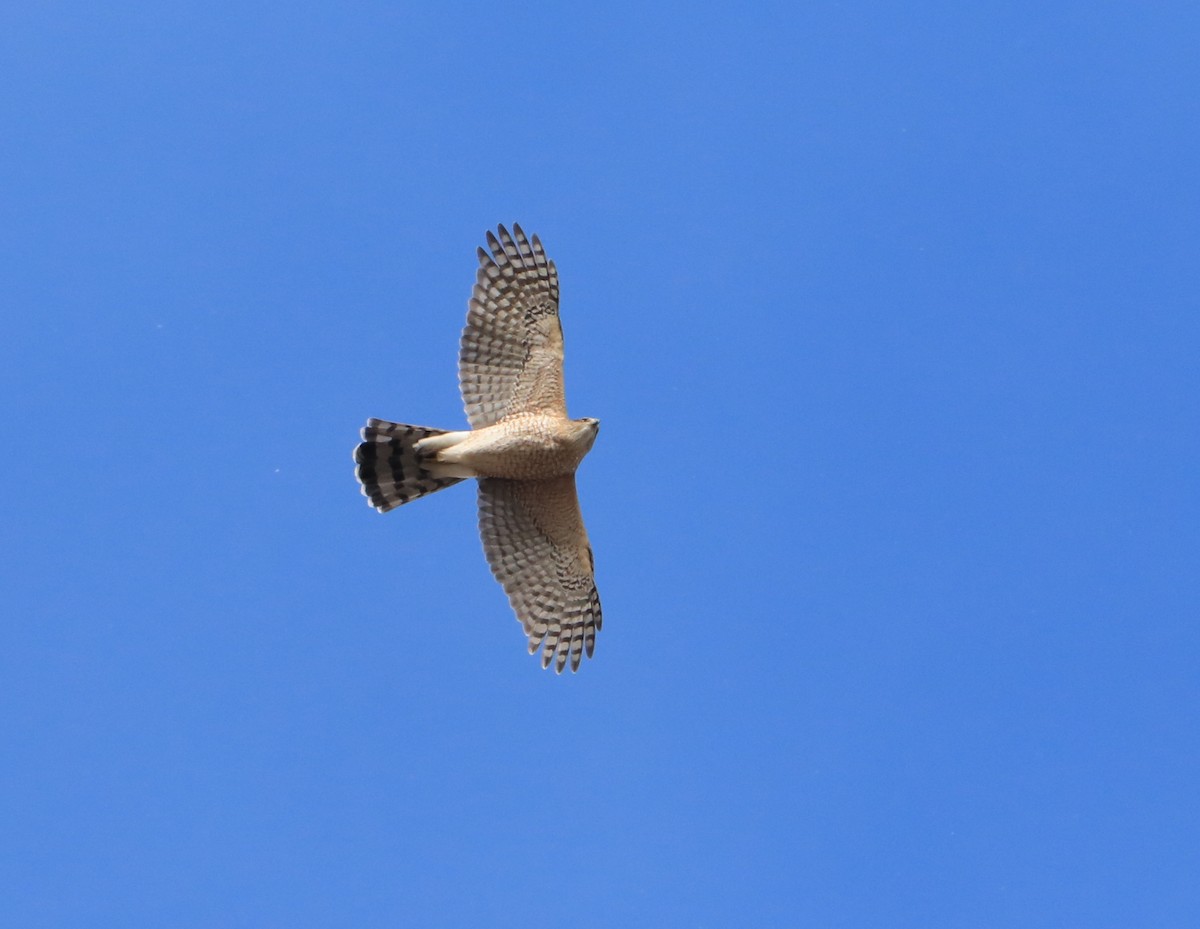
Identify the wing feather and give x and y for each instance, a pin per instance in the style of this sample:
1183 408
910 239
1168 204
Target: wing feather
510 358
536 543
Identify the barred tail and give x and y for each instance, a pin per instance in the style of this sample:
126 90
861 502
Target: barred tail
389 468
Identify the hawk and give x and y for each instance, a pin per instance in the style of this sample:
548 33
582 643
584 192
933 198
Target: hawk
521 447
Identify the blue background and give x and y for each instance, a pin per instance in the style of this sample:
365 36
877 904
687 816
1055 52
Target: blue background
890 314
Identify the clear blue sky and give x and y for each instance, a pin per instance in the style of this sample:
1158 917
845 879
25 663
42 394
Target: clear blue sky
891 314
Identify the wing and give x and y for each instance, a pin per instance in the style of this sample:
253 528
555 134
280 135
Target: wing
534 540
511 355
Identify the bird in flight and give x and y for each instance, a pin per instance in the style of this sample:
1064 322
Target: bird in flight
522 448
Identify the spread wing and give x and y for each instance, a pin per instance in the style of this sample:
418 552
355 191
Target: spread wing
510 360
534 539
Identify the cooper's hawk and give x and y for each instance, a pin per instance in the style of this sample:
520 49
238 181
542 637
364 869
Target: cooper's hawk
521 446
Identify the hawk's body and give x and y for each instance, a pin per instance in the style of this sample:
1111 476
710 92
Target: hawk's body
522 447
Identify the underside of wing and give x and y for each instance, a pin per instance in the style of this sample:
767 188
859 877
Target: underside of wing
536 544
510 359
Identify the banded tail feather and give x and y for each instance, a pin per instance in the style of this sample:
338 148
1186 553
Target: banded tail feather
389 468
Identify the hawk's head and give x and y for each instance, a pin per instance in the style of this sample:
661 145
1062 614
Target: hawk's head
586 430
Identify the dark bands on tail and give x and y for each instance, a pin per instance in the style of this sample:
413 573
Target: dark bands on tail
389 468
